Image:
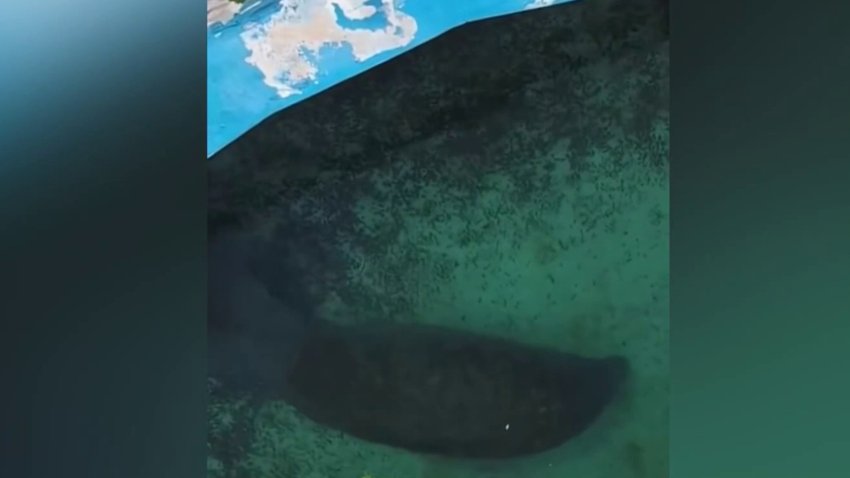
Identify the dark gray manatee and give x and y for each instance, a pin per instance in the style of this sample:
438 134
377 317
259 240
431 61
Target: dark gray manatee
445 392
425 389
254 331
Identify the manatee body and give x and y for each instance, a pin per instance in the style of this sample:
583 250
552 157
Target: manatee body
445 392
425 389
253 335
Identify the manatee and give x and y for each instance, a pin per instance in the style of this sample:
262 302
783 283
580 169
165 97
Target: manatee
445 392
254 332
422 388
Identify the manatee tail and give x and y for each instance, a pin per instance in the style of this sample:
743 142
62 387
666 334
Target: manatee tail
253 336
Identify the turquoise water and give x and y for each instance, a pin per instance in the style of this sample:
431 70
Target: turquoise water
515 218
237 98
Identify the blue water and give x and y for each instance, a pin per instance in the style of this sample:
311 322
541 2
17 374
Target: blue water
237 98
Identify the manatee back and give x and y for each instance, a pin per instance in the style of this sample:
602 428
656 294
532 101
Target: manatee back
253 337
450 393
